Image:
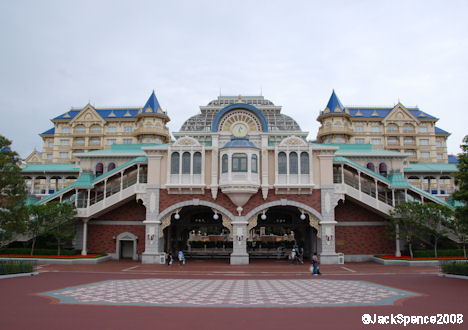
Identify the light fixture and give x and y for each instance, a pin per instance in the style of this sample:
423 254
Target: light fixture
263 216
216 216
302 216
177 216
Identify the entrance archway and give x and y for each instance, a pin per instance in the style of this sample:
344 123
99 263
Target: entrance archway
199 231
278 229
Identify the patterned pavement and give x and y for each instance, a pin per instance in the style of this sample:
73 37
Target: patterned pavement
231 293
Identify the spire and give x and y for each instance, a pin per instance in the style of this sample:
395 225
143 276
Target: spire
152 105
334 103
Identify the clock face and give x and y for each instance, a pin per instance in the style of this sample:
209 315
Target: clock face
239 129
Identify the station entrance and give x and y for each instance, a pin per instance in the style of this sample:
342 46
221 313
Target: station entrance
279 230
199 232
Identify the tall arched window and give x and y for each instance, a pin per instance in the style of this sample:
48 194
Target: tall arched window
110 167
224 163
197 160
383 169
371 166
175 163
282 168
99 169
293 163
254 164
186 163
239 163
304 163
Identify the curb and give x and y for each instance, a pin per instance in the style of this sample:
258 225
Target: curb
461 277
43 261
18 275
406 262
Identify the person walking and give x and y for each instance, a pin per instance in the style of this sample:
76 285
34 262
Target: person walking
170 260
315 265
181 258
292 256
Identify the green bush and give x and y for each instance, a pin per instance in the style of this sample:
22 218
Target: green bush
15 268
45 252
456 268
429 253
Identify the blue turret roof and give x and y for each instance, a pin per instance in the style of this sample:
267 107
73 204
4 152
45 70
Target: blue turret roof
239 143
152 103
334 102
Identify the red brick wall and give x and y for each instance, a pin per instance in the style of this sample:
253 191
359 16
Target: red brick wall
101 237
349 211
130 211
363 240
166 200
360 239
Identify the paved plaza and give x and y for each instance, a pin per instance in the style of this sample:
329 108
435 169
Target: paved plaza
215 295
231 293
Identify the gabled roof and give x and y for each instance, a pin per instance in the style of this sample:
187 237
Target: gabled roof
374 112
49 131
440 131
109 113
334 103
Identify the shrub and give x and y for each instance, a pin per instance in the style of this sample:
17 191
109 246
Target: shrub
10 267
456 268
44 252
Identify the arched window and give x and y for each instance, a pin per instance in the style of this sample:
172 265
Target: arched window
304 163
371 166
175 163
110 167
282 168
293 163
186 163
254 164
383 169
197 163
239 163
224 163
99 169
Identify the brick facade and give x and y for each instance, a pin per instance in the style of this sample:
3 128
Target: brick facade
101 238
361 239
130 211
313 200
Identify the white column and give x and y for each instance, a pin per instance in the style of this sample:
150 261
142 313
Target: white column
47 184
376 190
438 184
393 197
76 197
89 197
84 250
342 173
33 183
105 189
138 174
397 241
359 180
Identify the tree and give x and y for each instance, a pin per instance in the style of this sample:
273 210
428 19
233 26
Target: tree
52 218
460 223
435 217
13 213
459 226
62 226
406 217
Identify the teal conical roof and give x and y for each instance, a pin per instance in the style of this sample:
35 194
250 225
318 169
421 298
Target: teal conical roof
334 102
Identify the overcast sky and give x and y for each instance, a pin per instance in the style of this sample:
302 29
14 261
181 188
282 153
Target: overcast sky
58 54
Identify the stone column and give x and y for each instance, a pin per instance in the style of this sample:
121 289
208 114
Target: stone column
153 251
84 250
239 255
327 224
397 241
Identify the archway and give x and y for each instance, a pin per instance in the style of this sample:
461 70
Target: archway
199 231
275 231
126 246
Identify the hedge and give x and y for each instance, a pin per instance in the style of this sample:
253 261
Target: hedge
429 253
15 267
42 252
456 268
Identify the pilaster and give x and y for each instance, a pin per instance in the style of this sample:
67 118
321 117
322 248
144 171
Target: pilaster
239 255
153 248
327 253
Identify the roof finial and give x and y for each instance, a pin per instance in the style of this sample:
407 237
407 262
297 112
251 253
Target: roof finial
239 99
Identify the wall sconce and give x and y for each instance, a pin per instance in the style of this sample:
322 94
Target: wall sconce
263 216
215 216
303 216
177 216
240 238
329 238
